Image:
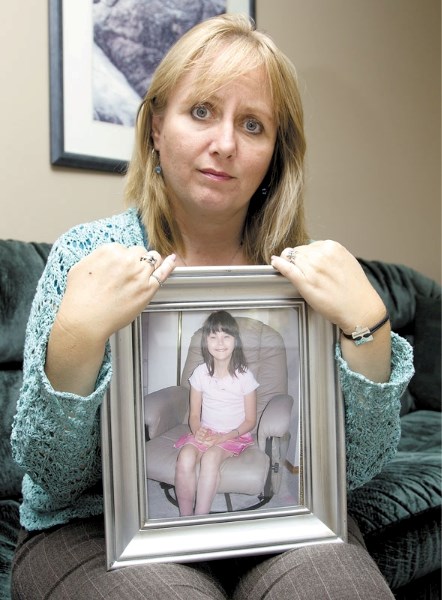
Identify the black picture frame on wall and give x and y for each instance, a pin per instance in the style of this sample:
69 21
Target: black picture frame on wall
78 138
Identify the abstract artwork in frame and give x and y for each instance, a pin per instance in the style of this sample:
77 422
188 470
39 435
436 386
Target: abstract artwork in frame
102 56
288 488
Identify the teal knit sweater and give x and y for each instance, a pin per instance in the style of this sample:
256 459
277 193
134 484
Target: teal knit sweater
56 435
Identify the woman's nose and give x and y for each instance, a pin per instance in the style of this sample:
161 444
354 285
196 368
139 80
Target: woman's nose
224 142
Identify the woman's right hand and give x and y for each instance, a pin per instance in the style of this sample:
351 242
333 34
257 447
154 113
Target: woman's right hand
105 291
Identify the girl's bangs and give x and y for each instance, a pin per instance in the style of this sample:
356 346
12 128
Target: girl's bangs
216 327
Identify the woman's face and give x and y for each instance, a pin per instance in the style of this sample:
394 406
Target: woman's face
215 152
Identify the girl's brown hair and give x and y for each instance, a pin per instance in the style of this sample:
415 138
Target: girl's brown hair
221 320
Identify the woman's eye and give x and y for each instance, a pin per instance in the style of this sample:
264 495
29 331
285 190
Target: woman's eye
200 112
253 126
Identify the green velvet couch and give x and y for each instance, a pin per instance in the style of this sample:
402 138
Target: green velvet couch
399 511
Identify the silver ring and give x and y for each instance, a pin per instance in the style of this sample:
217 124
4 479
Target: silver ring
291 256
160 283
150 258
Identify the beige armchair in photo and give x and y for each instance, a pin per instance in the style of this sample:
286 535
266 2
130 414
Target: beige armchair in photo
257 470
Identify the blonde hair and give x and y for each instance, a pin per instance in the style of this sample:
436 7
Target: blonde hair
219 50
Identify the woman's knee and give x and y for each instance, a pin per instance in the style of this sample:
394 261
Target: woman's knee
71 563
333 571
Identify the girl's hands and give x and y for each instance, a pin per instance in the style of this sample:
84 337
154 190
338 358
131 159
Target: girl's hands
203 436
208 437
107 289
212 438
333 283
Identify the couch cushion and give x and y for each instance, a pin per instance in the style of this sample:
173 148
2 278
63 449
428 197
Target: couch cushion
9 528
426 383
21 265
424 588
399 510
421 432
10 474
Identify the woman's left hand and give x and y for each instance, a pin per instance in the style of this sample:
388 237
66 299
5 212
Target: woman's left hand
332 282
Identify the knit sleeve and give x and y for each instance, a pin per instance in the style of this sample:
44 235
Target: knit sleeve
55 436
372 423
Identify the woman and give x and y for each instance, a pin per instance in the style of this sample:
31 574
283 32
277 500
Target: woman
216 179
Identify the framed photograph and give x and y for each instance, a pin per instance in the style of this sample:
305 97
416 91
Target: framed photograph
102 56
281 488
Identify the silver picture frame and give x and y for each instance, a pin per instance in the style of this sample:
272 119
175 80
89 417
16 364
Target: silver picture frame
135 531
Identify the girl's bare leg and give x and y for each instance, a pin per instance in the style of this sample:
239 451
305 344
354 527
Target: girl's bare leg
185 478
208 479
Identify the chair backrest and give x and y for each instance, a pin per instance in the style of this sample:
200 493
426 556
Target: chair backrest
265 352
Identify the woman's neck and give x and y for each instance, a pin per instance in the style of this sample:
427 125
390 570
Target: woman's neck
205 257
226 249
214 242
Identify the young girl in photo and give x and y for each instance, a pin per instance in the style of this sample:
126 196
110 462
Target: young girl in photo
222 414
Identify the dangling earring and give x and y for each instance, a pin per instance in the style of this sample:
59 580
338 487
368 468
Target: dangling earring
157 169
264 191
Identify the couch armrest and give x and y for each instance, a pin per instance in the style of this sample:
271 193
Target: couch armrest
164 409
275 418
399 287
21 265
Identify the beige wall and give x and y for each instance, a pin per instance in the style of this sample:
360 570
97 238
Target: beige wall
370 78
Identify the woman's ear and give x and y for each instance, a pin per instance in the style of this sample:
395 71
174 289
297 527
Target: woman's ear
157 123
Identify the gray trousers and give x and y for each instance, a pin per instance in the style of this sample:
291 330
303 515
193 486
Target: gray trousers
68 563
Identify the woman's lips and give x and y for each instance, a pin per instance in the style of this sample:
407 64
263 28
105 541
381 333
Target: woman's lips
216 175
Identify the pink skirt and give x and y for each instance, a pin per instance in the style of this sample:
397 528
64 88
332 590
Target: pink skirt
235 446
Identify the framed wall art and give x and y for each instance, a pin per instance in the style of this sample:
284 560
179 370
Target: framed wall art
287 488
102 56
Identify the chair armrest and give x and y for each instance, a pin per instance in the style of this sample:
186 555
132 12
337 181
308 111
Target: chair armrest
275 418
164 409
